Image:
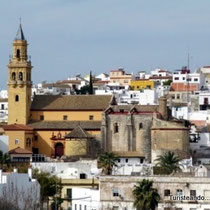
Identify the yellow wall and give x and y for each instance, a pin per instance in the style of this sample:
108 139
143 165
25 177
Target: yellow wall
76 147
22 136
141 84
72 115
45 144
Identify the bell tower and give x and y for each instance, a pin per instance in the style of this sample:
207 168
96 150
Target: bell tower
19 81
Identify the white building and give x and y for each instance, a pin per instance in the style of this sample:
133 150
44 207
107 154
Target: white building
20 189
3 109
3 94
161 73
103 77
204 100
180 110
83 169
116 192
85 199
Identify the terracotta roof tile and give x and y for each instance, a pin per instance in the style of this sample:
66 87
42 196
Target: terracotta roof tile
79 133
75 102
17 127
20 150
68 125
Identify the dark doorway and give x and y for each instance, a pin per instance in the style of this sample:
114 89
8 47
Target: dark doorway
59 149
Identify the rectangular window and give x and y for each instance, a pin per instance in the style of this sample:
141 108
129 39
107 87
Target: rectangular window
196 79
183 78
85 207
189 79
116 128
2 106
16 141
80 207
115 192
65 117
35 138
41 117
126 160
192 192
167 192
179 192
115 207
176 78
140 126
82 176
75 206
69 193
91 117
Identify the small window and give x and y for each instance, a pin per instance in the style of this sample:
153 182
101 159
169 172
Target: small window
176 78
115 192
80 207
126 160
16 141
2 106
167 192
85 207
116 128
115 207
82 176
91 117
183 78
41 117
75 206
179 192
21 76
140 126
65 117
178 96
196 79
17 98
141 160
13 76
69 193
18 53
118 160
193 193
28 142
35 138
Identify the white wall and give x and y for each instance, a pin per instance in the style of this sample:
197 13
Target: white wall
4 143
85 199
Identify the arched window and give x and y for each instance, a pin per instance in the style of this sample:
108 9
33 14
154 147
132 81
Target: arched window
116 128
13 76
21 76
28 142
17 98
18 53
140 126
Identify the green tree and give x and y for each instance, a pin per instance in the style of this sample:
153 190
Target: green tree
169 162
146 197
91 84
107 161
50 185
168 82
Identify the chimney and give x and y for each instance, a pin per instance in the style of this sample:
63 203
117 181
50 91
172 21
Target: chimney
163 107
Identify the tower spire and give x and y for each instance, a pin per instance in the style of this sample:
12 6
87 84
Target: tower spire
20 34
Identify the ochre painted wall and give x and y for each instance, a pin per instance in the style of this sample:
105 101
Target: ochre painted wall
71 115
141 84
21 136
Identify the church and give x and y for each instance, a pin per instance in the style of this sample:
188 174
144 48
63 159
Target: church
84 125
51 125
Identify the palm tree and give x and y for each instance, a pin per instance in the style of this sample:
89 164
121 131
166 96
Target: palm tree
146 197
169 162
4 160
107 161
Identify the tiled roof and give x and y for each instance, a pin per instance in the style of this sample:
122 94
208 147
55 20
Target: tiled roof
68 125
3 99
139 108
79 133
17 127
74 102
20 150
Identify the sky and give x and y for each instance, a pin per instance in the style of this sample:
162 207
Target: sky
67 37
